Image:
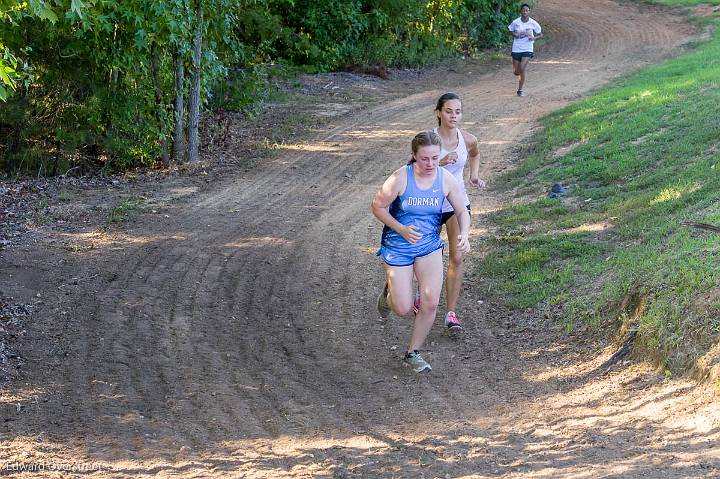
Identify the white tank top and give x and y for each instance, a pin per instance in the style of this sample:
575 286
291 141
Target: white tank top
456 168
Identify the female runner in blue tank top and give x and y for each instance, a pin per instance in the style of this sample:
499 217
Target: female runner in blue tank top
409 204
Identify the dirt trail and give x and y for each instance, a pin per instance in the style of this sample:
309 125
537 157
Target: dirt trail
238 337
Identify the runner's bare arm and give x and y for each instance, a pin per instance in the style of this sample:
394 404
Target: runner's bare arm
474 159
391 189
457 201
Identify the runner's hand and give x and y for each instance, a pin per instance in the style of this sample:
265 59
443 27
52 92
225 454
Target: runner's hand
463 244
408 232
477 182
449 159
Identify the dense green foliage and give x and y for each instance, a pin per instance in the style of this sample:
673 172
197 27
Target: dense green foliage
88 82
641 158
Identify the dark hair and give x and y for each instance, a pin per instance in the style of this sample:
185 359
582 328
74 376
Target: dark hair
444 99
524 5
424 138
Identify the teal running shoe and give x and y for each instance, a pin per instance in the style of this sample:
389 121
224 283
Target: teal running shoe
417 362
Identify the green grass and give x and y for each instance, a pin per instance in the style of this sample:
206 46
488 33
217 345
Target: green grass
125 209
41 215
645 158
65 195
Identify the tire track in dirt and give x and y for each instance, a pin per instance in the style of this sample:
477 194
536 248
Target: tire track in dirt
240 335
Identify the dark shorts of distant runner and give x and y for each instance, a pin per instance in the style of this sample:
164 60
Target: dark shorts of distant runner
520 55
449 214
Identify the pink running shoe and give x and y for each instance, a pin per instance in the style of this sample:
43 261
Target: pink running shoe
452 322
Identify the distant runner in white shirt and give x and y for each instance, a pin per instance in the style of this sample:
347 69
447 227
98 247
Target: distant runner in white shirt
525 31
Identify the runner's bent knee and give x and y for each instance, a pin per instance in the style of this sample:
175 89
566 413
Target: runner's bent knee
430 305
456 258
402 307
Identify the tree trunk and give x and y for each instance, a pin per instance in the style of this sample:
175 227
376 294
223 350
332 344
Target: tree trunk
179 136
159 106
194 117
113 84
435 13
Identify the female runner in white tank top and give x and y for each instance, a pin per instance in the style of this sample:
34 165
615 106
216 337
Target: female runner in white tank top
458 149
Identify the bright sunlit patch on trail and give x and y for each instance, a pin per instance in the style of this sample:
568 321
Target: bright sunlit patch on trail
495 142
178 192
556 62
21 397
255 241
82 242
302 456
321 147
381 134
509 120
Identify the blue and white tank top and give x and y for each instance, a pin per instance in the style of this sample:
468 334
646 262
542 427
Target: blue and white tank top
456 168
417 207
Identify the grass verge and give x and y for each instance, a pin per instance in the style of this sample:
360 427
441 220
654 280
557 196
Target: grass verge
641 158
125 209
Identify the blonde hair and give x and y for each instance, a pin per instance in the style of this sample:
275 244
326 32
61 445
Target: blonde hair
424 138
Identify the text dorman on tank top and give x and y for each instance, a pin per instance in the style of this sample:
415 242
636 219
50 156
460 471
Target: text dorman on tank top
423 201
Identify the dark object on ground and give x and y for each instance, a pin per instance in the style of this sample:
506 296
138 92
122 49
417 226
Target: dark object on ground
702 226
557 191
377 70
622 351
